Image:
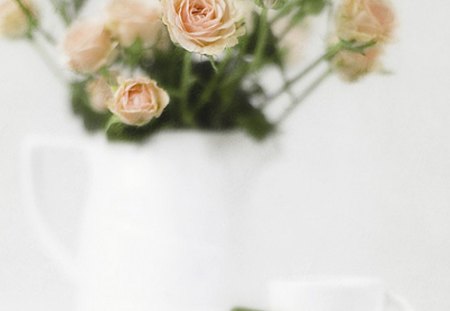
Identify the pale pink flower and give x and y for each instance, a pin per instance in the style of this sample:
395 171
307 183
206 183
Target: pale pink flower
88 46
352 65
14 22
130 20
365 20
138 101
203 26
100 94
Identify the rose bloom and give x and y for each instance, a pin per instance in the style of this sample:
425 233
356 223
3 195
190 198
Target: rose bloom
129 20
88 46
365 20
13 21
138 101
353 65
203 26
100 94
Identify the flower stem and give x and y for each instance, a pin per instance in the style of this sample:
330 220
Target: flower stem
54 68
185 88
212 85
326 56
34 24
263 31
308 91
284 11
61 9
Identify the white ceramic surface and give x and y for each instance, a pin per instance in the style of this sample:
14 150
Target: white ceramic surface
145 243
334 294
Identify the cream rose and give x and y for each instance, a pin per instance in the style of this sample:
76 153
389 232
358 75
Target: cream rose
362 21
14 22
100 94
203 26
138 101
365 20
129 20
352 65
88 46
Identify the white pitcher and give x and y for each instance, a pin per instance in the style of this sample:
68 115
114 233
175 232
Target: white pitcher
156 228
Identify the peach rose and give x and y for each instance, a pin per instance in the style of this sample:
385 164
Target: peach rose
88 46
203 26
352 65
138 101
100 94
365 20
129 20
13 21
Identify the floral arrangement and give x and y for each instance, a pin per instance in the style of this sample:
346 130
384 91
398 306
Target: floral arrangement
141 66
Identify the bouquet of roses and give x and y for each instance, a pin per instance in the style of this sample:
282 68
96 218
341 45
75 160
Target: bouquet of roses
145 65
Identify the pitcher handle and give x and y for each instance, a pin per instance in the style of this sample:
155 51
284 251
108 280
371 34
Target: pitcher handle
399 302
55 248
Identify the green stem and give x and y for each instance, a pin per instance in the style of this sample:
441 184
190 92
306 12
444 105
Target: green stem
61 9
284 11
300 99
326 56
263 32
212 85
46 35
34 24
212 61
185 88
52 66
246 68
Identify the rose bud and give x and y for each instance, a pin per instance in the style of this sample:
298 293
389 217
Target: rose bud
130 20
88 46
100 94
365 20
203 26
362 21
353 65
138 101
14 22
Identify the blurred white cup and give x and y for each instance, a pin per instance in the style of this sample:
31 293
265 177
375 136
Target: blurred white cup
334 294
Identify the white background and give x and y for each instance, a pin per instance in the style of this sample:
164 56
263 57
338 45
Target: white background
360 186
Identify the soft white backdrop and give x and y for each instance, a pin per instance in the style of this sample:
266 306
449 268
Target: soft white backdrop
360 186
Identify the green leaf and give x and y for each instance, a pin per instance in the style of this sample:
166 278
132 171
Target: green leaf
357 47
254 122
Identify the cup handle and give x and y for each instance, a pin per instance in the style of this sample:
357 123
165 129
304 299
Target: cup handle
56 250
398 302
